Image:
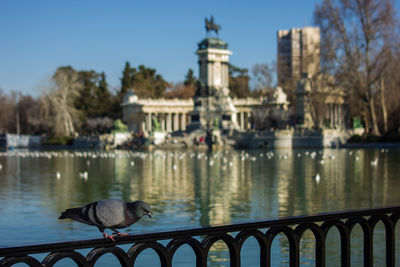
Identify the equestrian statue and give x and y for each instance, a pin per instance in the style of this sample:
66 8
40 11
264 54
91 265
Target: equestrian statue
211 26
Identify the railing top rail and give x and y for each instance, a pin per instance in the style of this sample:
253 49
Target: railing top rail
201 231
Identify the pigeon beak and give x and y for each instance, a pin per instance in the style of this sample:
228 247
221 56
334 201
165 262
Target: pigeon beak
149 214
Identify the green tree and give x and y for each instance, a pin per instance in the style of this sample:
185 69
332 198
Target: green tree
183 90
127 80
148 84
190 79
104 98
144 81
239 82
85 101
94 98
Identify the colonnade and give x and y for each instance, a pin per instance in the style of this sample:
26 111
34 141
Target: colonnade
168 122
335 115
244 120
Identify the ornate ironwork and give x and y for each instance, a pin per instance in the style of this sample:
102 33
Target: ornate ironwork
200 240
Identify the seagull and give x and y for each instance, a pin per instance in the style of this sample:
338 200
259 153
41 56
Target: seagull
317 178
109 213
374 162
83 175
58 175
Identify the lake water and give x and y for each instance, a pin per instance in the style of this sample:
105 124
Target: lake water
192 189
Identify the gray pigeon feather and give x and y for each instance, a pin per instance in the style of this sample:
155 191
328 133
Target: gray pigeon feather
108 213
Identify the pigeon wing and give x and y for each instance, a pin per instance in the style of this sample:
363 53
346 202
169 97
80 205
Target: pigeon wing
110 213
105 213
77 214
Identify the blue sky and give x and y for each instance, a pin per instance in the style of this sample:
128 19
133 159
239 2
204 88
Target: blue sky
39 36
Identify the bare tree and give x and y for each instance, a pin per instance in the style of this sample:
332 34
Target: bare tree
264 76
180 90
58 101
7 113
357 37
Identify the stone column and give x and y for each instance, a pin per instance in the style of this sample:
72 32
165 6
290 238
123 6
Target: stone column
183 121
248 120
176 122
242 120
336 116
162 121
143 125
169 122
148 126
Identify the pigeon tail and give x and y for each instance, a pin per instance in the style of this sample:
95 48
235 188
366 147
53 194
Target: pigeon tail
74 214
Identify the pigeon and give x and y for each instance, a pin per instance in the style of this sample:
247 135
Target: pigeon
109 213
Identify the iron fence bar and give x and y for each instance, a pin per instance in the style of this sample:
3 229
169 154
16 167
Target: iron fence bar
388 215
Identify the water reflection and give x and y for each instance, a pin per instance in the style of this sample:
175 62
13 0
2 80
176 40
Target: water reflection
190 189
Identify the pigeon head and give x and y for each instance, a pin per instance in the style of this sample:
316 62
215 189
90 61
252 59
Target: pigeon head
139 209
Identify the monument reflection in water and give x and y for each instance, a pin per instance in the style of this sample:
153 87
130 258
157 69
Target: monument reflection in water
192 189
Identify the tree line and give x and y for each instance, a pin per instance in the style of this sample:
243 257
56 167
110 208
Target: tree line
82 102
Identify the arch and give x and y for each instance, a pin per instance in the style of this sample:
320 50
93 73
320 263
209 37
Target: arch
96 253
161 251
395 217
319 236
368 235
10 261
54 257
201 256
234 253
350 223
389 231
294 253
242 236
344 238
385 219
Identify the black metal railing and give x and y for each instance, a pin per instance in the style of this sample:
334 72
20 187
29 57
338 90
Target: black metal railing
202 239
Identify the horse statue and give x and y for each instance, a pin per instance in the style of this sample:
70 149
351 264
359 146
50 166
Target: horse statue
211 26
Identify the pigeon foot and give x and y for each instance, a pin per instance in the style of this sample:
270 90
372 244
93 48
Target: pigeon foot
120 234
109 236
117 233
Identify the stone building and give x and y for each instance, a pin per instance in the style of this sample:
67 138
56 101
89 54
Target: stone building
298 53
212 104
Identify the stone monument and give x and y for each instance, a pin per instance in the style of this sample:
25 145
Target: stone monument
212 98
303 107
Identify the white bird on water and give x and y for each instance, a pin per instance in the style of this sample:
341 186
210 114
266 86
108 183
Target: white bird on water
317 178
83 175
58 175
374 162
